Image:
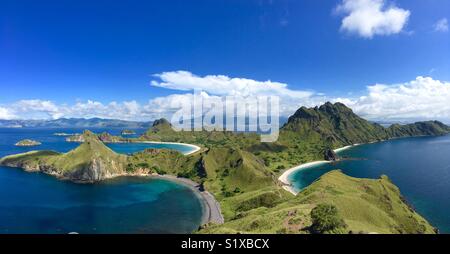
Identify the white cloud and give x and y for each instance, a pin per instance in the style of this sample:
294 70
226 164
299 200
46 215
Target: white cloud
6 114
420 99
214 86
368 18
224 85
35 109
43 109
441 25
211 87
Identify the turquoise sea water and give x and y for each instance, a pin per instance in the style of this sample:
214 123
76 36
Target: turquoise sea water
420 167
38 203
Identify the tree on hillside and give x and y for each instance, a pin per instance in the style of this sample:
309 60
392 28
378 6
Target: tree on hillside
326 220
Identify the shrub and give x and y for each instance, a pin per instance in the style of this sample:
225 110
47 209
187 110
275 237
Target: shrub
326 220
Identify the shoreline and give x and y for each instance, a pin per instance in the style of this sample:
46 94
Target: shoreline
196 148
211 207
337 150
284 178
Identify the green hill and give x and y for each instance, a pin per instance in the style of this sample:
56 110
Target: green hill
335 124
365 205
232 171
430 128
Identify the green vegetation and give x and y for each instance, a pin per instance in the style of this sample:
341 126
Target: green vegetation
364 205
430 128
241 172
326 220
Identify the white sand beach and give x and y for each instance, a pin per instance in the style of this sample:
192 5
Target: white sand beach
345 148
194 147
284 178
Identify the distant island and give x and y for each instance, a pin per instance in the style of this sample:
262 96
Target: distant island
242 173
127 132
63 134
27 142
74 123
104 137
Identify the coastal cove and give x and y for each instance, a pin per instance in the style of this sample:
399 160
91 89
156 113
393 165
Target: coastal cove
418 166
123 204
132 147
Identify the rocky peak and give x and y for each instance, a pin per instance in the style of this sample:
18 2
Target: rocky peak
161 121
335 109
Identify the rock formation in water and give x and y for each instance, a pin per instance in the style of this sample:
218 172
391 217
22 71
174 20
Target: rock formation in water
330 155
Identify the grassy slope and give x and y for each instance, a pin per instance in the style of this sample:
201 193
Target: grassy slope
83 155
231 172
366 206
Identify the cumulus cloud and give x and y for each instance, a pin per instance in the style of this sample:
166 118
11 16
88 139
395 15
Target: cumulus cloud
35 109
368 18
441 25
6 114
420 99
224 85
210 88
213 87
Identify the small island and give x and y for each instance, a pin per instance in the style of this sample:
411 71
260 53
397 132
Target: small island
127 132
62 134
75 138
27 142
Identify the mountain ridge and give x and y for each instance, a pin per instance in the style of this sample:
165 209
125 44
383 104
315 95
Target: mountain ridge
75 123
339 126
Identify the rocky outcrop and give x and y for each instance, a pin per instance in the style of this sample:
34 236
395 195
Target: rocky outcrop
95 172
161 121
330 155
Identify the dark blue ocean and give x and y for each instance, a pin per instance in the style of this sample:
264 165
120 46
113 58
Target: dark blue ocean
38 203
420 167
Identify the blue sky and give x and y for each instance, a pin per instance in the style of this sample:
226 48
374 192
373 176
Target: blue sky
69 52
